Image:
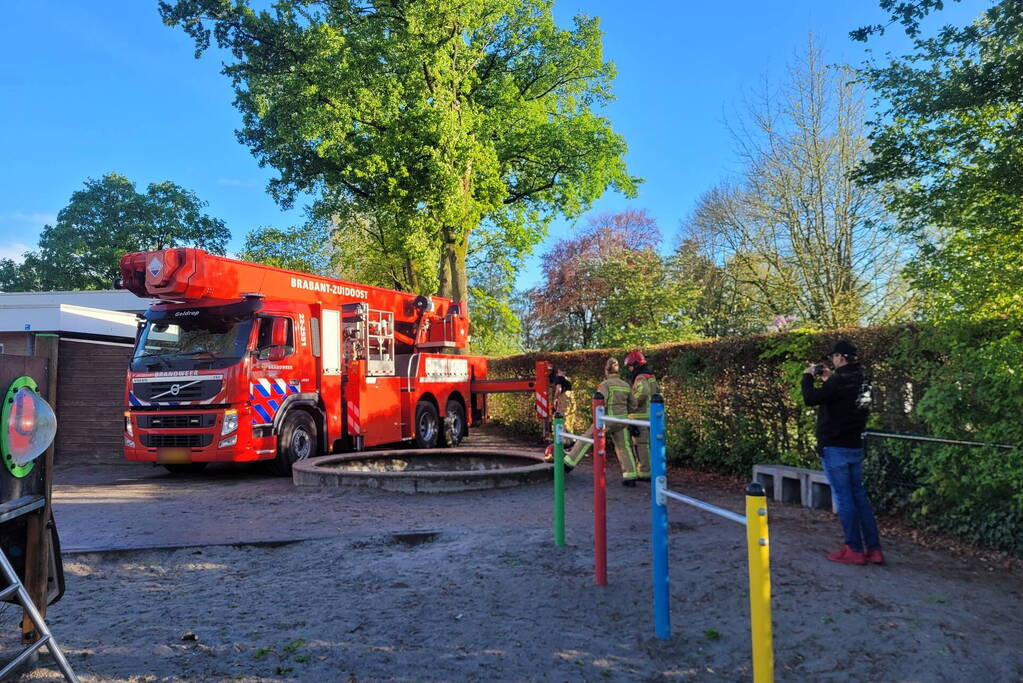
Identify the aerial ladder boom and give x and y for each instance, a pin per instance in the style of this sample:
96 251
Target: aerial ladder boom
186 274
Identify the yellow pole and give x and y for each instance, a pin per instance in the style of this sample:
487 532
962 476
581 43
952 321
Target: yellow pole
759 583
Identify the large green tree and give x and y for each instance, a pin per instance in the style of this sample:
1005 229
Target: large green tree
948 152
434 117
106 220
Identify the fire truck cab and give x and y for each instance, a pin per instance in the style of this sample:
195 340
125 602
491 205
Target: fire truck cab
242 362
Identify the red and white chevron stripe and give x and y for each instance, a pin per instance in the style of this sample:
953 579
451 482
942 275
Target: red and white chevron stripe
354 424
541 405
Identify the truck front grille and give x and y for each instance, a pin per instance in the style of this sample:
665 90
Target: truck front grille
175 421
176 440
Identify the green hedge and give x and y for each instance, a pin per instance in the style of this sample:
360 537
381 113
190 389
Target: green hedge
733 403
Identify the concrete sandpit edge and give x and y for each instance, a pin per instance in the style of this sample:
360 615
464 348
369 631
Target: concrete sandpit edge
327 471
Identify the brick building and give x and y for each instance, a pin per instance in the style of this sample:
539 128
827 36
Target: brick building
97 333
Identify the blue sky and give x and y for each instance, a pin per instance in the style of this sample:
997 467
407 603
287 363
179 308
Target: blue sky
90 88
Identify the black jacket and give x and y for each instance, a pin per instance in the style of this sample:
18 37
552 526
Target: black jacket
840 422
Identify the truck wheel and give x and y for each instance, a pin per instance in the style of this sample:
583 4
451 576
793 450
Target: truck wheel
296 441
427 425
455 427
187 468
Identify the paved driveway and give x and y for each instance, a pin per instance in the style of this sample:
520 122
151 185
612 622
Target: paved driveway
139 506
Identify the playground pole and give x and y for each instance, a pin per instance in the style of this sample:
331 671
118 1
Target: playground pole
759 583
599 491
559 481
659 519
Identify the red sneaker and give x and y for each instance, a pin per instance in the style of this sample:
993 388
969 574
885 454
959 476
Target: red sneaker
548 454
875 556
848 556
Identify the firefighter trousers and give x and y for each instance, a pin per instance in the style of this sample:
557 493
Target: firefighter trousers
643 453
619 435
566 406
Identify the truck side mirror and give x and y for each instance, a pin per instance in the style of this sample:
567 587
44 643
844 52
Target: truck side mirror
276 353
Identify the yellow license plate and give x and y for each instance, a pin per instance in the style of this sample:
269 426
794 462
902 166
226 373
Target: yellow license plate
173 456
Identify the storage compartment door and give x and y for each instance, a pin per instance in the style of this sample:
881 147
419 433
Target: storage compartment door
331 346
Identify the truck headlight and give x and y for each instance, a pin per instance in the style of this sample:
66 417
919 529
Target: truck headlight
129 443
228 442
127 424
230 422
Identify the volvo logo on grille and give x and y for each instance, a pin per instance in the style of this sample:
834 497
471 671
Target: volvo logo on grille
175 388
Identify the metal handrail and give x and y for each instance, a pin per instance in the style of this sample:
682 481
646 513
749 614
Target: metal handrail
575 437
934 439
662 490
625 421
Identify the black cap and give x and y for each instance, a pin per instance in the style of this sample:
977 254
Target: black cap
846 348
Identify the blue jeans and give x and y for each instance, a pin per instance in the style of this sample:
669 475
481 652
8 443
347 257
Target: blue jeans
844 469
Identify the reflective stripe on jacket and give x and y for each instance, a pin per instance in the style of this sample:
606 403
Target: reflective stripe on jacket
643 389
617 395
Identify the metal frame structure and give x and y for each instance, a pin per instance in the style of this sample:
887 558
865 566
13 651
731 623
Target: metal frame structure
755 521
15 587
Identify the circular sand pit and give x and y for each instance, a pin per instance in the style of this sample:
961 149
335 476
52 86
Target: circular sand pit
434 470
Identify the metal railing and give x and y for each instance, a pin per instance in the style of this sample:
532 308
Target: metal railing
755 521
599 442
934 439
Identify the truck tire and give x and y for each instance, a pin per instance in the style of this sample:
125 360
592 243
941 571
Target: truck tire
427 425
187 468
296 441
455 427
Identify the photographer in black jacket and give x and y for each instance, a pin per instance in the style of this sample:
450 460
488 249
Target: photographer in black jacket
842 412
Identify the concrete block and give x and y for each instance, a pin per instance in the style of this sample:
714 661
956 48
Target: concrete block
819 491
788 484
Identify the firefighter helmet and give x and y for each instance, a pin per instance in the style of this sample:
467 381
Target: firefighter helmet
635 357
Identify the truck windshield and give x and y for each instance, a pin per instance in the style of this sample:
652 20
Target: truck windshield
200 342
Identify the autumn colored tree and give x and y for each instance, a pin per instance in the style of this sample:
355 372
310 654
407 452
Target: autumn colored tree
609 287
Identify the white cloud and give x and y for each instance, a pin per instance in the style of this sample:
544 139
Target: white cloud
14 251
238 182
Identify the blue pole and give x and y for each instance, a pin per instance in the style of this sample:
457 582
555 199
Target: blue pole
659 518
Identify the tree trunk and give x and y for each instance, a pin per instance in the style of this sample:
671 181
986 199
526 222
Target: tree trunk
454 279
454 282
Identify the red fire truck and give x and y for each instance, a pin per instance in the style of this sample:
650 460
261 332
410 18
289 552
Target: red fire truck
242 362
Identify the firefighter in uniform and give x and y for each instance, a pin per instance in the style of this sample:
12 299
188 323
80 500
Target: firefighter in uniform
644 386
563 401
616 393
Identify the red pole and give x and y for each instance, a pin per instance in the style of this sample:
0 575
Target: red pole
599 493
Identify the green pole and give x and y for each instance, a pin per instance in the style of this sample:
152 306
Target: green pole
559 482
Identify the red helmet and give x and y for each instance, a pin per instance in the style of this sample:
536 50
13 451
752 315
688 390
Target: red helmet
635 357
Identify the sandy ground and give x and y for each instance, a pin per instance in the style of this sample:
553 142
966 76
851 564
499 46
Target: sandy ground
271 583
